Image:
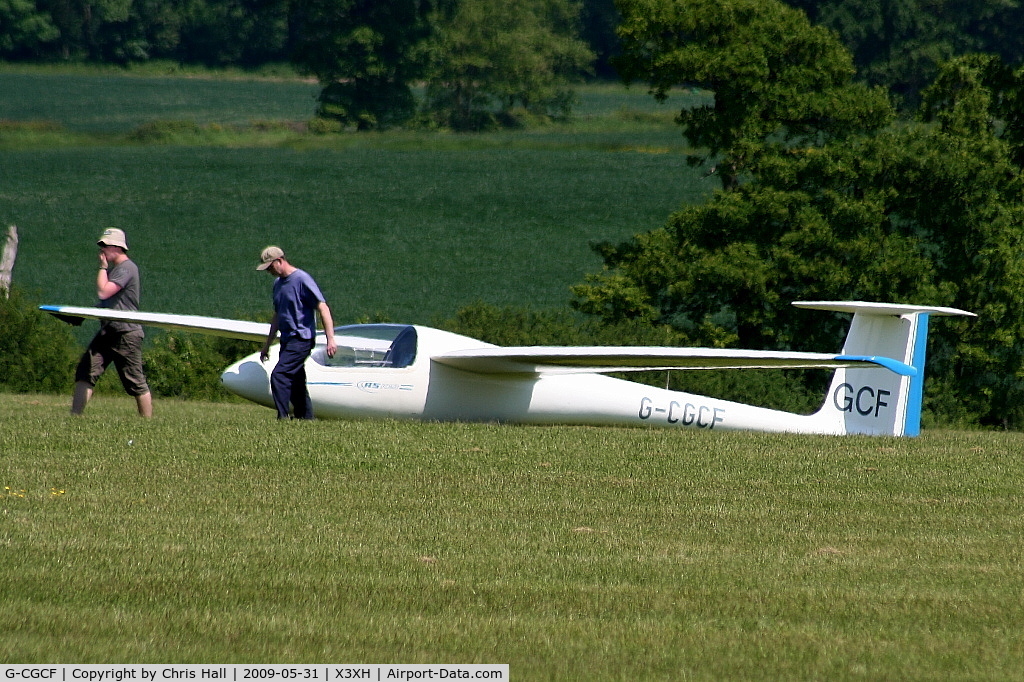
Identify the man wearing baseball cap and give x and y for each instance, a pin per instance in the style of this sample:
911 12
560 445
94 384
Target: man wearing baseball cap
118 288
297 299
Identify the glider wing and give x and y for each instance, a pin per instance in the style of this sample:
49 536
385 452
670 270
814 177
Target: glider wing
572 360
216 326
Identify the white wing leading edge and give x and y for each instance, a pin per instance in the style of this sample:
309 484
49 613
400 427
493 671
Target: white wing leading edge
579 359
216 326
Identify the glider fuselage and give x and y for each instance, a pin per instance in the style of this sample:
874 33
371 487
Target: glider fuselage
360 385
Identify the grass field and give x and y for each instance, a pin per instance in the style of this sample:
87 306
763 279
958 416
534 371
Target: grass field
408 225
112 103
411 234
214 534
112 100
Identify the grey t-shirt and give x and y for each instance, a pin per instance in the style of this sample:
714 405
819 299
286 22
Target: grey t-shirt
126 276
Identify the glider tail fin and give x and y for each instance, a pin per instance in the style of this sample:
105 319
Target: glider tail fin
878 401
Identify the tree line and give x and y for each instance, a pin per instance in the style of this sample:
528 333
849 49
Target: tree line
474 52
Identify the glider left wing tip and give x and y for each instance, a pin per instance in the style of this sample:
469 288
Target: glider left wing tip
55 310
216 326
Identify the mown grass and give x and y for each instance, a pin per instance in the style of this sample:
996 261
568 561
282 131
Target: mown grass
212 533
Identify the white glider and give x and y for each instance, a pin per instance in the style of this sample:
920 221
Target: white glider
414 372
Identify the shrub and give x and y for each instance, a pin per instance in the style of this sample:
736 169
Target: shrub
165 131
184 365
37 352
325 126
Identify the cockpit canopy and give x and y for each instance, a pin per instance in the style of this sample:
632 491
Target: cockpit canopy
371 345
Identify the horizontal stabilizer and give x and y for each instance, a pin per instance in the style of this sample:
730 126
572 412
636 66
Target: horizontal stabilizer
870 308
215 326
573 360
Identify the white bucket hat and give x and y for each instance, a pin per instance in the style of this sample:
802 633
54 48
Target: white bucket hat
113 237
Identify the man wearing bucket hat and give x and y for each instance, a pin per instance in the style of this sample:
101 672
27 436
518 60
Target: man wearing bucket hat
118 288
297 299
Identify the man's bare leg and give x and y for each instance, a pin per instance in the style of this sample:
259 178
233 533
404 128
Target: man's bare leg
83 393
145 403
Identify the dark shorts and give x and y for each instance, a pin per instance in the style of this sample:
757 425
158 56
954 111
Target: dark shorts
124 349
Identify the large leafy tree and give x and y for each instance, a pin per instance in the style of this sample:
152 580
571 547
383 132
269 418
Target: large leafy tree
23 28
244 33
974 92
488 58
216 32
909 215
917 214
83 24
361 51
773 75
901 44
600 20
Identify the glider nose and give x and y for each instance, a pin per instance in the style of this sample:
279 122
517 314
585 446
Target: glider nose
250 379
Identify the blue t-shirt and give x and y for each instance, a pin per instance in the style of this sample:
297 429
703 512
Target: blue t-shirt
296 298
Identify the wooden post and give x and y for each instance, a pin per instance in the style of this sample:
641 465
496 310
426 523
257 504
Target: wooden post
7 260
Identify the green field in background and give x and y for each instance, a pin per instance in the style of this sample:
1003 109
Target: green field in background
110 102
408 225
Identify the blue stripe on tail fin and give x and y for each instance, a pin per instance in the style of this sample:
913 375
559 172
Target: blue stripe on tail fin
915 395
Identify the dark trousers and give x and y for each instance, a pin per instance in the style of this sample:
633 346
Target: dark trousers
288 380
